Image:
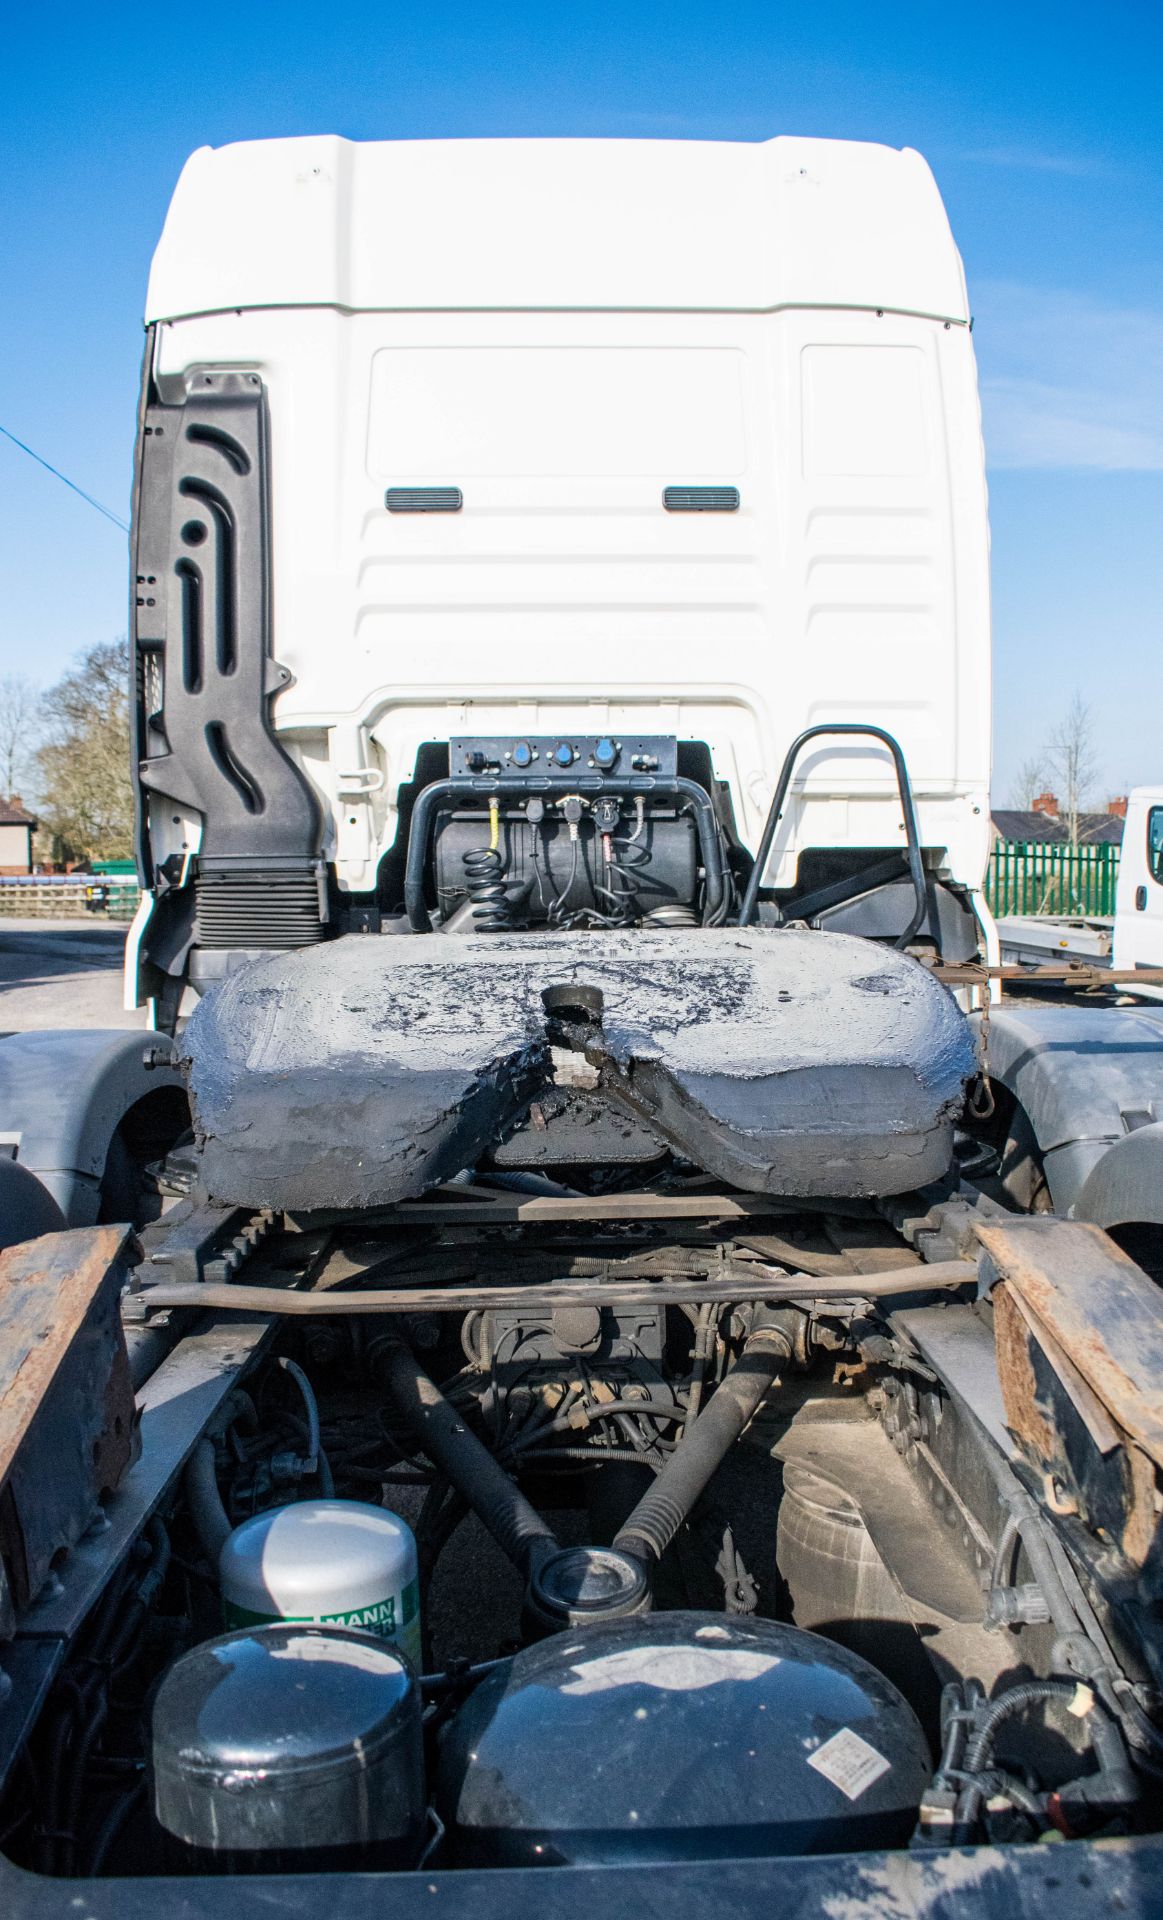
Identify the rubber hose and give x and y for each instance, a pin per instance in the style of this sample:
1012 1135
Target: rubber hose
595 1456
307 1395
205 1502
1031 1693
502 1508
1113 1785
705 1444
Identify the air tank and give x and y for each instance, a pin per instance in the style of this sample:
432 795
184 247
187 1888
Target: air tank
289 1749
679 1736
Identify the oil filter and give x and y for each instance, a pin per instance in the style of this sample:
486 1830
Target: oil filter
332 1562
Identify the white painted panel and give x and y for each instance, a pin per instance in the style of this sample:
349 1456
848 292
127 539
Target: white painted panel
826 596
458 412
562 225
864 411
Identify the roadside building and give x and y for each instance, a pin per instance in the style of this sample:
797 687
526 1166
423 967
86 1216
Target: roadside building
1045 822
17 827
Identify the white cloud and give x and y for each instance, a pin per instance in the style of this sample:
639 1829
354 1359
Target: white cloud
1068 381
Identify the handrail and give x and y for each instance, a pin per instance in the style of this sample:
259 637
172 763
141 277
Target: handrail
779 799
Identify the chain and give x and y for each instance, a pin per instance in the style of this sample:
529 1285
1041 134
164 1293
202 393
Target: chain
981 1102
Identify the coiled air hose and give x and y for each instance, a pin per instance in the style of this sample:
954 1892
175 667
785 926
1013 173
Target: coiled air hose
484 868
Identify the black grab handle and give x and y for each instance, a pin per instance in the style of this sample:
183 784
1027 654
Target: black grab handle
779 798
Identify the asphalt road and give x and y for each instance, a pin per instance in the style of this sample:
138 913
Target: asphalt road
61 973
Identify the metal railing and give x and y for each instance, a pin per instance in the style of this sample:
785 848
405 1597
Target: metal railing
68 896
1050 876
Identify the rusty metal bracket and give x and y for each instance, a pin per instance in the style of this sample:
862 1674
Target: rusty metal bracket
68 1430
1078 973
1079 1334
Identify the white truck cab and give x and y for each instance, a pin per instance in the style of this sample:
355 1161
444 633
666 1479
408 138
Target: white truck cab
1138 936
590 443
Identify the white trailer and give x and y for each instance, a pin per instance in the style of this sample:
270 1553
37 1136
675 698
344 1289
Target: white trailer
1138 933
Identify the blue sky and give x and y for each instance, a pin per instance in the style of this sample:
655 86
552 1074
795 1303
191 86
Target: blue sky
1042 123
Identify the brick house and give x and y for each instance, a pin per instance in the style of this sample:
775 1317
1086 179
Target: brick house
17 827
1045 823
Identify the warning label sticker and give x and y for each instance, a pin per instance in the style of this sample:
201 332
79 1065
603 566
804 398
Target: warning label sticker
849 1763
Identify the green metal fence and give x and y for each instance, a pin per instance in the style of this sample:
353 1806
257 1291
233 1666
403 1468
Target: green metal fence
1047 876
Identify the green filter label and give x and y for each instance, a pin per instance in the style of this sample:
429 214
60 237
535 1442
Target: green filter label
396 1618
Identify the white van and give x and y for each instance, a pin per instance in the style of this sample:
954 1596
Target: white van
1138 939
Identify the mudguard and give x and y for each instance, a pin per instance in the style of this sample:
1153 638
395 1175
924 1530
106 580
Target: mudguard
1126 1187
1091 1082
63 1096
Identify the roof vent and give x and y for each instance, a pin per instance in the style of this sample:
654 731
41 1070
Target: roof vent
701 499
424 499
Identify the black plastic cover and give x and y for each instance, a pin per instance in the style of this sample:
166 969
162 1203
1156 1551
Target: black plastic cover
202 630
701 499
424 499
680 1736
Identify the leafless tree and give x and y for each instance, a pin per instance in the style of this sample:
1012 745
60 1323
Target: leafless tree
1073 763
20 704
1030 780
84 763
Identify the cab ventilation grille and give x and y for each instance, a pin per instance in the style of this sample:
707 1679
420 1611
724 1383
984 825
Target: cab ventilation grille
701 499
258 910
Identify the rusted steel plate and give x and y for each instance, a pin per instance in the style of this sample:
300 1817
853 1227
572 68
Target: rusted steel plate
1102 1310
47 1287
68 1428
175 1405
1027 1419
445 1206
1105 1435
